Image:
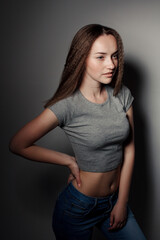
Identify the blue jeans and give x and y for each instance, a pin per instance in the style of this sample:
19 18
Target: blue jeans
76 214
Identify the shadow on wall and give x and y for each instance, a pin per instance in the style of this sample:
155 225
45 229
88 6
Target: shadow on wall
141 189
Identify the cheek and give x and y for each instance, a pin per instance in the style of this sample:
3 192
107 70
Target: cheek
92 66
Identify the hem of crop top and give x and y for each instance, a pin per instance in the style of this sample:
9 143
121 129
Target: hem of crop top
101 170
93 103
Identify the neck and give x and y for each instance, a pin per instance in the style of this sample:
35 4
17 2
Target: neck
93 90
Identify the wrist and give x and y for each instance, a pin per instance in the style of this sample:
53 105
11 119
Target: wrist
122 203
70 161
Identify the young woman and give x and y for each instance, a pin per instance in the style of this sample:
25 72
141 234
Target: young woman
94 109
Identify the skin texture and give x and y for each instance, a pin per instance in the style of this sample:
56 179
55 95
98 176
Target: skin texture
101 66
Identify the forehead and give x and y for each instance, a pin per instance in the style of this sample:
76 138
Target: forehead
104 43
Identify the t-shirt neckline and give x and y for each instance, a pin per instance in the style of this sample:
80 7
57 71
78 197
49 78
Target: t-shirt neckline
93 103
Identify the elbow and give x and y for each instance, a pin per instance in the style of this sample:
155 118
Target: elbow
14 147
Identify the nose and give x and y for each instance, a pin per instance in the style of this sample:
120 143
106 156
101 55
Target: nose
110 64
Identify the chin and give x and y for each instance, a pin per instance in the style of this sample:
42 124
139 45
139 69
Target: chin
107 81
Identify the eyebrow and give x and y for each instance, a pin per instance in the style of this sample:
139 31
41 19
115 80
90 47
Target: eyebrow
104 53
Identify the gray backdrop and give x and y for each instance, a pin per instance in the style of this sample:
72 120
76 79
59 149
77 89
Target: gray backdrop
35 39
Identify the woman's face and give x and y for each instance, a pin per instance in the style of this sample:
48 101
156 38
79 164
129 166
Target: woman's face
102 61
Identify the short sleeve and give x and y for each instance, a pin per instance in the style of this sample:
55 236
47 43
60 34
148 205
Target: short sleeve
125 97
61 110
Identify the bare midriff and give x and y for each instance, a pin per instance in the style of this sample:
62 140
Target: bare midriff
96 184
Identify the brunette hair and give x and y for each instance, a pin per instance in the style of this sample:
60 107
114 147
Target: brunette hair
74 68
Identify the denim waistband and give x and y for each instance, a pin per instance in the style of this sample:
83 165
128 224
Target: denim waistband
90 199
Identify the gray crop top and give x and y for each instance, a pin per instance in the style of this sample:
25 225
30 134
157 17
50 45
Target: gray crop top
96 131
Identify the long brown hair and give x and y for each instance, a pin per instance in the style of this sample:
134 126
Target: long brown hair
74 68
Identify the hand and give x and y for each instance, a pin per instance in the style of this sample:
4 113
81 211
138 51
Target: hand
74 172
70 178
118 217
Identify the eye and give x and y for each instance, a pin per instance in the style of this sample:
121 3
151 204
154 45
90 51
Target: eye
115 56
100 57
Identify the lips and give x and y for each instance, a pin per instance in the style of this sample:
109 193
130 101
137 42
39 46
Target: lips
109 74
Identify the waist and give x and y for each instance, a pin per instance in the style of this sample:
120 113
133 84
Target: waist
90 199
98 184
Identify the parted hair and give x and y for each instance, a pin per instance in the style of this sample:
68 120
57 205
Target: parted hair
74 67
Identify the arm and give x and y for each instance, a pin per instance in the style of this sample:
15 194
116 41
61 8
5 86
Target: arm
119 212
23 143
